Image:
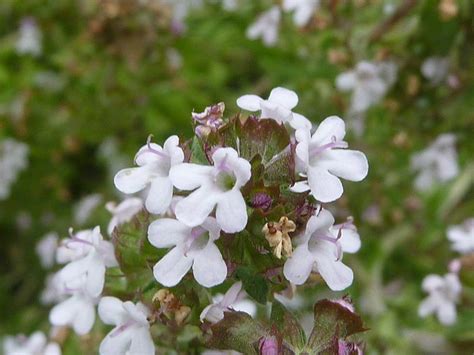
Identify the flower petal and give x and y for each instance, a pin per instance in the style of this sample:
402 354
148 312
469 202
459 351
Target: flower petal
95 275
111 310
447 313
300 122
300 186
284 97
332 126
142 342
427 307
231 295
337 275
160 195
84 319
249 102
189 176
167 232
172 267
346 81
194 209
321 221
325 187
351 165
231 211
350 240
132 180
432 282
209 268
298 267
114 344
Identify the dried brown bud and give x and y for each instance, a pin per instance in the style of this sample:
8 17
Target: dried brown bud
277 236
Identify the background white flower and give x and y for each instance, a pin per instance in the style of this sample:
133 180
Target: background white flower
266 26
368 82
192 247
77 311
444 293
437 163
323 159
131 334
85 207
154 164
29 40
435 69
93 257
216 186
46 249
303 10
462 237
123 212
13 159
35 344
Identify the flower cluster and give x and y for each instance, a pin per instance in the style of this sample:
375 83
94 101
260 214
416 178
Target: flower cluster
239 205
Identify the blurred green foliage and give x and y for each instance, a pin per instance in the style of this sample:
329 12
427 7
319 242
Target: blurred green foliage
112 74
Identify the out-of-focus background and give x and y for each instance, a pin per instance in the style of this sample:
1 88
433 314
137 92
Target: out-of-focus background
84 82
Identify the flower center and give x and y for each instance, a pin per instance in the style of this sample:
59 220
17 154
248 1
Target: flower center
122 328
331 145
317 237
197 240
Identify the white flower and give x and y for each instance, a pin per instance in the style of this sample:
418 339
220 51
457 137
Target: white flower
303 10
369 82
35 344
77 311
444 293
437 163
46 249
435 69
131 334
154 164
192 247
266 27
278 106
462 237
85 207
234 299
123 212
29 41
89 255
13 159
319 249
323 158
215 186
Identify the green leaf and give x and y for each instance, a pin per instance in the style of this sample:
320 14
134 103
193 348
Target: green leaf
237 331
198 156
291 330
332 321
254 284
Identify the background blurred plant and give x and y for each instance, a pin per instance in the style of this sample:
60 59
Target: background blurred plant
83 83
